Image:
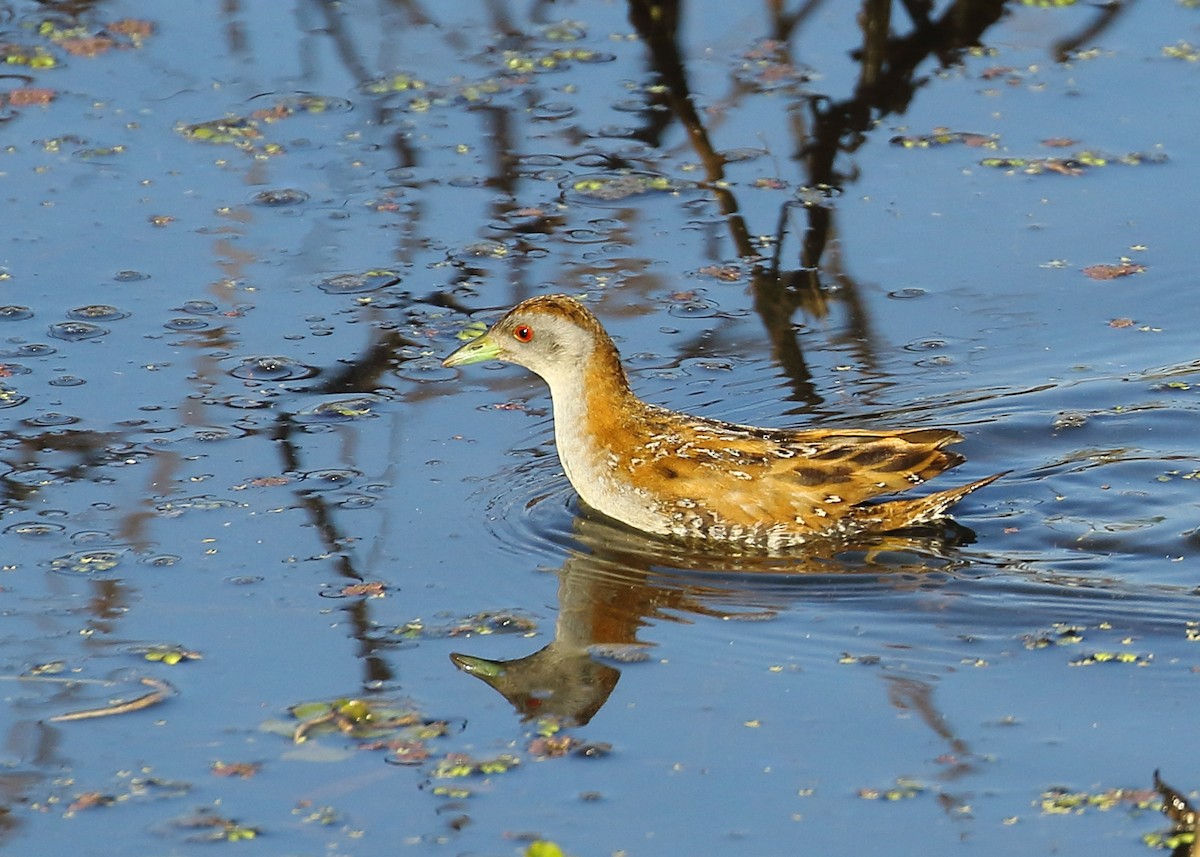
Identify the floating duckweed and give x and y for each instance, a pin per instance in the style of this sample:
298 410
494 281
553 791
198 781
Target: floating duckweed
169 655
481 624
98 153
945 137
50 30
239 833
564 31
1061 801
904 789
452 792
1169 841
611 188
457 765
87 562
395 83
303 103
543 848
341 410
361 719
1182 51
37 58
1062 634
1072 164
231 130
1112 658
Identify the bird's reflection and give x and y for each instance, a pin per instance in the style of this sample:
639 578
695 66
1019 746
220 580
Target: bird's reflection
617 581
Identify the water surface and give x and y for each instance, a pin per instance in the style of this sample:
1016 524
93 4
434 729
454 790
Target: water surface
241 238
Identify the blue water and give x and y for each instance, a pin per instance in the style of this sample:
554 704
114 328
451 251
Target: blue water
215 483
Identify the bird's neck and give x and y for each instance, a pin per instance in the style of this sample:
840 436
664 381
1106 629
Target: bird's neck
593 406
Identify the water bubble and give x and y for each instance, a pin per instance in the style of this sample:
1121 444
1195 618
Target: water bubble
925 344
630 105
341 410
15 313
358 501
32 349
92 537
280 197
616 132
585 236
272 369
245 403
97 312
130 276
34 529
540 160
595 160
552 176
186 323
76 331
1069 420
744 153
906 294
691 306
329 479
353 284
11 398
203 502
401 176
66 381
162 560
467 181
208 434
50 419
198 307
552 110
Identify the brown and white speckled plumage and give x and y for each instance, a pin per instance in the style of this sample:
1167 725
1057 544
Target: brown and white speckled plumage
681 475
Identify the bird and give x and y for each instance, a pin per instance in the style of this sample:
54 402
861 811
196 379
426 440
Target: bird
697 478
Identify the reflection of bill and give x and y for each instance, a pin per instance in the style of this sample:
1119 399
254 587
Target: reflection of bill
618 581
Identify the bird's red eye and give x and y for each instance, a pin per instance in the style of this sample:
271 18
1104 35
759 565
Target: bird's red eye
523 333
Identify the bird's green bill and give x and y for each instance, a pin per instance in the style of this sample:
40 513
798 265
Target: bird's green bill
476 351
481 667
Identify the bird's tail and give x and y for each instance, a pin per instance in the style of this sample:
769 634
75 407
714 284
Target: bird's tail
898 514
